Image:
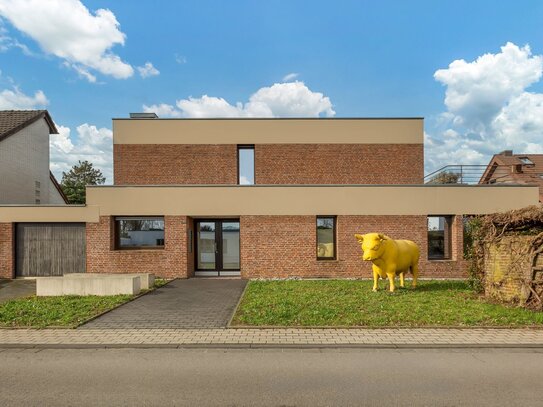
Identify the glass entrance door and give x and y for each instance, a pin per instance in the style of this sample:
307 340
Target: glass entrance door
217 247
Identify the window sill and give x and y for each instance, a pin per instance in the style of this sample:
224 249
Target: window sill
440 260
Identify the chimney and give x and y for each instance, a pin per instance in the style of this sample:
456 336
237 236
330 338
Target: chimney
507 153
143 116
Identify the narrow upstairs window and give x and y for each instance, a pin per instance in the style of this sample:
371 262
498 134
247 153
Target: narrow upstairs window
246 164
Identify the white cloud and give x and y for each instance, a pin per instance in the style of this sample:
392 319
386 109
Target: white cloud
17 100
291 76
488 108
7 42
293 99
148 70
68 30
180 59
91 143
243 180
162 110
82 71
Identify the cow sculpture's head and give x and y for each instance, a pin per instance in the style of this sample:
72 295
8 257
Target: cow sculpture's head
372 245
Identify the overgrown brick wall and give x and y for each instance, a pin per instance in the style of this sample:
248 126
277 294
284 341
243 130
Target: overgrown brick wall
170 262
285 246
147 164
507 269
339 163
7 250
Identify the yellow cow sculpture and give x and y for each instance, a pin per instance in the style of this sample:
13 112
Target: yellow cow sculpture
389 257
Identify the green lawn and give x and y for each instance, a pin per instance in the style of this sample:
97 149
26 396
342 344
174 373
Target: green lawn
63 311
352 303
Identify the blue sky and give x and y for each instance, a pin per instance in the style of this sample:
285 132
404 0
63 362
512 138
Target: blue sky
352 58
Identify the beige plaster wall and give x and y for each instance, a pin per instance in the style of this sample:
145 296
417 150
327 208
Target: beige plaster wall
268 131
44 213
309 200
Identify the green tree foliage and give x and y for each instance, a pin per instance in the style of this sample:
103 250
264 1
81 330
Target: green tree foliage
74 181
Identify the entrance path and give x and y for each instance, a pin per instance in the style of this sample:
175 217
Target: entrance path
19 288
196 303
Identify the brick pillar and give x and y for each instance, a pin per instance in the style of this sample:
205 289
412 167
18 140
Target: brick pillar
457 237
7 250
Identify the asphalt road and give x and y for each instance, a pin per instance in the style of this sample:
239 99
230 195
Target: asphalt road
164 377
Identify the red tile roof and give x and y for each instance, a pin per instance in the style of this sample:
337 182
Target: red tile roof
508 167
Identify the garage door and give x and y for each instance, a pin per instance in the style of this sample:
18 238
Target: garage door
50 249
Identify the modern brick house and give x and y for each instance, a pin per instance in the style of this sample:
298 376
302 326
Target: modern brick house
259 198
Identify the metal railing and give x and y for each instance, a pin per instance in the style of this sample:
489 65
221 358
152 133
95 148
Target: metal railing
473 174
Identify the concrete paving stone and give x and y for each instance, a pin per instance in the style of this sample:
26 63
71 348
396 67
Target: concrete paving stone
181 304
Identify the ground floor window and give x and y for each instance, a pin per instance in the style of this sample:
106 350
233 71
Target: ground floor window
134 232
439 237
326 237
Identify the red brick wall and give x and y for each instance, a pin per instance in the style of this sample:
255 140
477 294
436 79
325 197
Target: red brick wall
143 164
285 246
339 163
272 247
170 262
7 250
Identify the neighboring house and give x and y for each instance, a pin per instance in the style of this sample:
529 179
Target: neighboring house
259 198
507 167
25 177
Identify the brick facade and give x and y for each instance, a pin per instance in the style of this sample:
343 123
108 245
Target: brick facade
170 262
285 246
163 164
270 246
7 250
339 163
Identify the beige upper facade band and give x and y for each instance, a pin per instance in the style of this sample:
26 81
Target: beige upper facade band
309 200
268 131
226 201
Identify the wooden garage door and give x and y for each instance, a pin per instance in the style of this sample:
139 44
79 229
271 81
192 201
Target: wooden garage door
50 249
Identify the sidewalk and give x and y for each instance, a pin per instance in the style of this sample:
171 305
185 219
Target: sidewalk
255 338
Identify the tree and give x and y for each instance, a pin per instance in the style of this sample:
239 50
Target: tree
445 177
74 181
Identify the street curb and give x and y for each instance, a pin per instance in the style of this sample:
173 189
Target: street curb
270 346
228 325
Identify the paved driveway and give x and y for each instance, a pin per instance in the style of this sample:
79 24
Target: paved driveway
181 304
12 289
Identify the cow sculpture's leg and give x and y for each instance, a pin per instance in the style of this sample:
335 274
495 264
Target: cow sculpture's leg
415 271
375 278
402 282
391 274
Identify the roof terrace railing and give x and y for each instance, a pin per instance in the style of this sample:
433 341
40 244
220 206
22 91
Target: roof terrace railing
478 174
